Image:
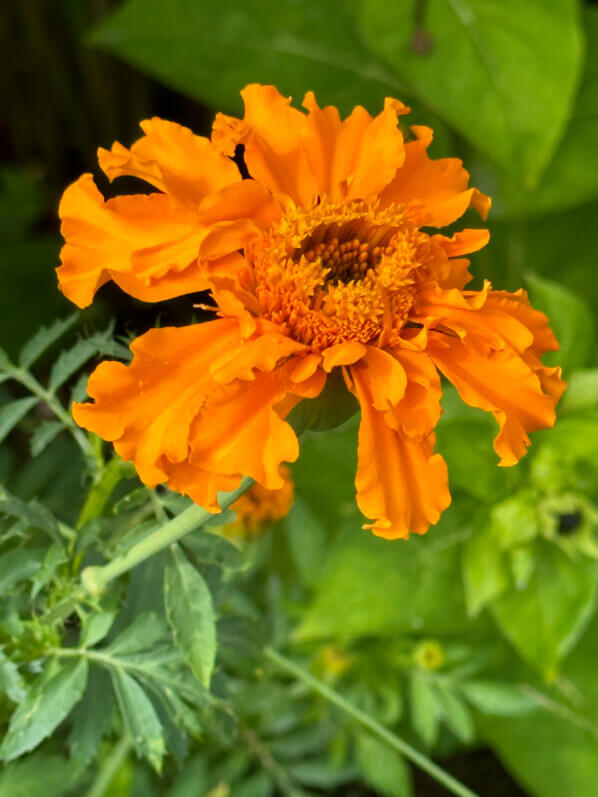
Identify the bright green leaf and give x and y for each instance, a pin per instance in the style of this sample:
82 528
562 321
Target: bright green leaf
582 391
383 769
43 709
545 620
515 521
140 718
485 573
190 614
456 715
494 70
425 708
11 680
95 628
498 698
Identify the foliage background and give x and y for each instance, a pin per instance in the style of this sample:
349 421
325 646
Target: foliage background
482 635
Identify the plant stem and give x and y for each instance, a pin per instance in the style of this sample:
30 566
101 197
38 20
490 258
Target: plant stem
101 491
96 578
403 747
110 767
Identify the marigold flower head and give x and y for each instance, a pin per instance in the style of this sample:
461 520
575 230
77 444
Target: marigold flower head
324 260
259 507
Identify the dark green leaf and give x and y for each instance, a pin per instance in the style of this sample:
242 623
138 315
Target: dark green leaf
209 52
13 412
214 549
91 718
190 614
38 776
307 542
145 631
17 565
512 66
33 513
44 338
43 436
69 362
43 709
140 718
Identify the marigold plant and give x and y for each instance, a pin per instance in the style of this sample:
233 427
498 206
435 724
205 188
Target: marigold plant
315 236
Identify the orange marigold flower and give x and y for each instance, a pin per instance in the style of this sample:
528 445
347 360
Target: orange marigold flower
323 260
258 508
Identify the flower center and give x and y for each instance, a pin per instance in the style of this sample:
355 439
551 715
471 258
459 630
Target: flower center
338 272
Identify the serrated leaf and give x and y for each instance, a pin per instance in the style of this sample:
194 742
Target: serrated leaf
214 549
44 338
512 65
497 698
425 709
43 436
12 413
91 718
132 500
190 614
383 769
54 557
18 565
11 681
43 709
145 632
33 513
38 776
140 718
95 628
70 361
571 319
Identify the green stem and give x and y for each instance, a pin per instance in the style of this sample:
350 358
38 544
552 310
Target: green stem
398 744
101 491
96 578
109 768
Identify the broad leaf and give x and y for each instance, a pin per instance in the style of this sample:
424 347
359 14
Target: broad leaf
425 708
45 706
498 698
383 769
11 681
190 614
545 620
210 51
497 70
307 542
38 776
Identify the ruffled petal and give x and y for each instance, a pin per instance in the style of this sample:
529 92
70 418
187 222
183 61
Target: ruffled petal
144 242
400 482
438 187
419 409
498 381
173 159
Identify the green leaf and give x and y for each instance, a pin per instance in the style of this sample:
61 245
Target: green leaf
43 709
11 681
91 719
515 521
213 549
33 513
485 573
95 629
69 362
145 631
43 436
374 586
582 391
498 698
512 66
209 52
383 769
545 620
307 541
12 413
456 715
140 718
18 565
571 319
38 776
44 338
425 708
190 614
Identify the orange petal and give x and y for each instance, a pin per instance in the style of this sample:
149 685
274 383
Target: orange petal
418 411
385 377
439 186
318 139
147 408
463 242
500 382
400 483
342 354
262 353
175 160
273 151
239 432
142 240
